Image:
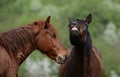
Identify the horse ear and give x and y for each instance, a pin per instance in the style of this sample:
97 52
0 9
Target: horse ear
70 21
35 23
89 18
47 22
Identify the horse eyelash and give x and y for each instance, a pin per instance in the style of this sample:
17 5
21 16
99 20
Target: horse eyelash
53 35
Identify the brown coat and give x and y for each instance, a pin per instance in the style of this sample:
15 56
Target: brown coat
72 69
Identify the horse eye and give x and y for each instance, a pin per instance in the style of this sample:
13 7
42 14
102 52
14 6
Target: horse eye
74 24
53 35
83 28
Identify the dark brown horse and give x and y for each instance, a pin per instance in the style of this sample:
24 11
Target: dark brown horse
84 59
17 44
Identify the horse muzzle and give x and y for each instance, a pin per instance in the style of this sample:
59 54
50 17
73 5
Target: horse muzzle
75 32
61 59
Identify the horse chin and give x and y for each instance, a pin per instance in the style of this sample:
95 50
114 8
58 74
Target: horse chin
74 37
60 62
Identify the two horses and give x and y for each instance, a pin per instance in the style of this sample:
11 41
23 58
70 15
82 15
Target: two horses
84 59
17 44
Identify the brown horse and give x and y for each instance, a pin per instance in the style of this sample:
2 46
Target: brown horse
84 59
17 44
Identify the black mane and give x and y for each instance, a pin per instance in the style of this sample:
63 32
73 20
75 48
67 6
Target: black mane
84 49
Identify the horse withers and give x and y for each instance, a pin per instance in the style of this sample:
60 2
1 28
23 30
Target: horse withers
84 59
17 44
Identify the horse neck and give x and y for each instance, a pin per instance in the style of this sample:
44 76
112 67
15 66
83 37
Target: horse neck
83 52
19 43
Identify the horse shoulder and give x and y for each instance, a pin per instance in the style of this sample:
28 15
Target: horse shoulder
97 64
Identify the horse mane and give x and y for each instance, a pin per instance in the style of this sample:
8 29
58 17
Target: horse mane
16 39
89 47
88 43
84 49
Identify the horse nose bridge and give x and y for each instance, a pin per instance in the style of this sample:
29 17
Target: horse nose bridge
60 50
63 54
59 47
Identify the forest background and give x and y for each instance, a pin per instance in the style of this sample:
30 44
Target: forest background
104 29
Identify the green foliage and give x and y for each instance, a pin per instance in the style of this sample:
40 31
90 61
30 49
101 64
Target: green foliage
15 13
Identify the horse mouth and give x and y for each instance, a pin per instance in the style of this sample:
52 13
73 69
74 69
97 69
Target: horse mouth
75 33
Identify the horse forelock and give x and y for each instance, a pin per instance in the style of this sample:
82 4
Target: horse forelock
16 39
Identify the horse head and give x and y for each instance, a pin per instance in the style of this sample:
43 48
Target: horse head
47 41
78 28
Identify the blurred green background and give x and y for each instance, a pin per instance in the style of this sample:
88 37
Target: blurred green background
104 29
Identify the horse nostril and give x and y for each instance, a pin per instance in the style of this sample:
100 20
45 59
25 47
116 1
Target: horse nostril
66 56
59 59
